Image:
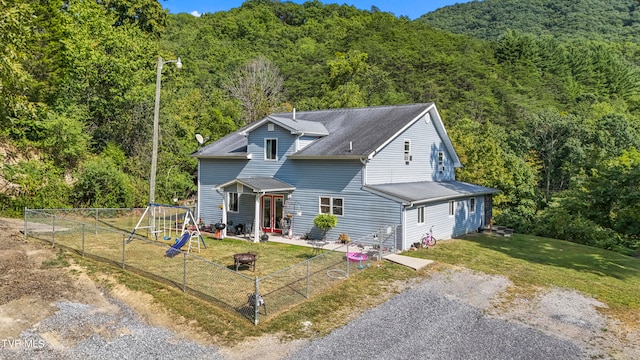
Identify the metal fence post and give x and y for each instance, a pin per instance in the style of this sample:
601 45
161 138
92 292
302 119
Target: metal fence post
307 296
184 271
82 240
124 240
53 232
256 309
25 222
347 258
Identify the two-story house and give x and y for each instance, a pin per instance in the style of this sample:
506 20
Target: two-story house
371 167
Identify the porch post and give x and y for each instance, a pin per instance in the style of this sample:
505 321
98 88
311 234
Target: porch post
224 214
256 219
223 218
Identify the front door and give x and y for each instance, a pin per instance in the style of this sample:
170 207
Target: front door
271 213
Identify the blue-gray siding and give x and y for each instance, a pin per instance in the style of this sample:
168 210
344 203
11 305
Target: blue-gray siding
389 165
444 225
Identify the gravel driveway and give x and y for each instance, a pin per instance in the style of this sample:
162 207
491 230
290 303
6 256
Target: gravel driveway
420 324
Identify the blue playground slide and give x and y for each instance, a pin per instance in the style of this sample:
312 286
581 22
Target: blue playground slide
175 249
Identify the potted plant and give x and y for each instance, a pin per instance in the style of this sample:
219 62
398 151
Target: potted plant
344 238
325 222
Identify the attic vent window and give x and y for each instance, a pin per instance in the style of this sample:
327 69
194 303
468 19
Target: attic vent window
269 127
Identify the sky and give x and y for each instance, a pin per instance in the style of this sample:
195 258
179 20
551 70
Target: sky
411 8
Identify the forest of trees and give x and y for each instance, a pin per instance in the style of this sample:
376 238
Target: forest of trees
552 121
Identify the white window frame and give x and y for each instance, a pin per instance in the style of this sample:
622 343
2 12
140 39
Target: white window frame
407 150
472 205
441 161
267 153
452 208
233 202
331 205
421 212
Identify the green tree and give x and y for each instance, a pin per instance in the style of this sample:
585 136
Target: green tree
101 184
66 138
19 116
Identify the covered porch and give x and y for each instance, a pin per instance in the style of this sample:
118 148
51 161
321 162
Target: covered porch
258 203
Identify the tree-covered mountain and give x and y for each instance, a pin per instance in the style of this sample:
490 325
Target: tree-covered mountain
617 21
548 122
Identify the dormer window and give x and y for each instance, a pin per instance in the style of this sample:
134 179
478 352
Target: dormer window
407 151
271 149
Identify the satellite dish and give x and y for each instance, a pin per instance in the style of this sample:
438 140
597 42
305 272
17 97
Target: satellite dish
200 139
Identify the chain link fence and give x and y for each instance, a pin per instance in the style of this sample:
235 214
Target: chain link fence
102 234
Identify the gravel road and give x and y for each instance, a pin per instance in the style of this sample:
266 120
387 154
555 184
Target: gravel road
420 324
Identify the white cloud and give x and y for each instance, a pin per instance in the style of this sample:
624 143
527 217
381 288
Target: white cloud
195 13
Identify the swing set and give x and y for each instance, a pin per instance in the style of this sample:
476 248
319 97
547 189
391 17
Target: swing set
165 222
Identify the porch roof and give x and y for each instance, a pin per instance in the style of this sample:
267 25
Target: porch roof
260 184
428 191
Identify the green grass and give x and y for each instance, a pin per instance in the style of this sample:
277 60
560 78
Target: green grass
531 261
327 311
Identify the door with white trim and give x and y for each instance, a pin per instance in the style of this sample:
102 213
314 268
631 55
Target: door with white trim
271 211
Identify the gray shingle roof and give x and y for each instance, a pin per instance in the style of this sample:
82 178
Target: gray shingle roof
428 191
299 126
365 128
357 132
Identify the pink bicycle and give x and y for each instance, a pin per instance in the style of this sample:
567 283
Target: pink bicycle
428 239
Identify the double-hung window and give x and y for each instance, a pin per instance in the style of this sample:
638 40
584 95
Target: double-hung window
407 151
271 149
331 205
420 215
452 208
472 205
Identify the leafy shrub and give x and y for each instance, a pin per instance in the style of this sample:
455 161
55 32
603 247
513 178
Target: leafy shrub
325 222
102 184
36 185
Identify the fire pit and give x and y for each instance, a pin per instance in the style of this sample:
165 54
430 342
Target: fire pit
245 259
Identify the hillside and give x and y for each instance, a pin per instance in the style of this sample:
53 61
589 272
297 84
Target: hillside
617 21
554 125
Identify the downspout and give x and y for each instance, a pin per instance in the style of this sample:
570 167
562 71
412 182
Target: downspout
364 170
404 226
